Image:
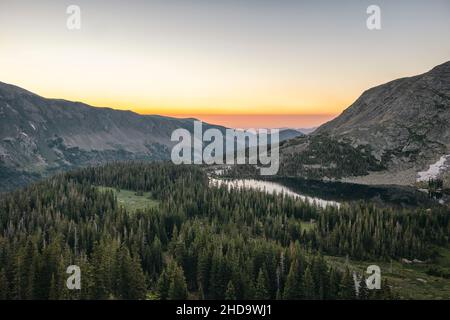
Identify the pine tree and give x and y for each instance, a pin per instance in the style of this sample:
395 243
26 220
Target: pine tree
54 292
309 284
347 287
88 287
219 277
102 272
163 285
261 291
3 285
230 294
138 287
177 287
131 279
334 285
292 288
203 271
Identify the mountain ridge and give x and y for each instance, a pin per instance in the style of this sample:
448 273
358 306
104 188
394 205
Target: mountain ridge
40 136
404 123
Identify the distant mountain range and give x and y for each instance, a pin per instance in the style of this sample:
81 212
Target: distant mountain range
39 136
404 125
387 136
286 134
307 130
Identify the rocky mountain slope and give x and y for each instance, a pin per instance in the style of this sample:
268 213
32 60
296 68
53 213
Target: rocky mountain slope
403 124
39 136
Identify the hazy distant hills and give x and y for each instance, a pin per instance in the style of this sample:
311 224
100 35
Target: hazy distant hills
403 124
306 130
286 134
39 136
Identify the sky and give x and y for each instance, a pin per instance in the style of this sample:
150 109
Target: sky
246 63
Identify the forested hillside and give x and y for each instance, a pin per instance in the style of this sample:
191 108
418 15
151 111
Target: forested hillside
198 242
319 156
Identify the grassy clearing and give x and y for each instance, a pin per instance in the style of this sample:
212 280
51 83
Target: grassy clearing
307 226
444 257
130 200
408 281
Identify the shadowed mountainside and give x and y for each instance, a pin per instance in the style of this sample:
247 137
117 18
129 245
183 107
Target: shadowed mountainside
39 136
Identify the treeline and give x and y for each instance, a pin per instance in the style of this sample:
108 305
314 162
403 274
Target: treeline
201 242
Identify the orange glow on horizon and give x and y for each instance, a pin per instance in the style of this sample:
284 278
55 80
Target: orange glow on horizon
246 121
227 63
233 115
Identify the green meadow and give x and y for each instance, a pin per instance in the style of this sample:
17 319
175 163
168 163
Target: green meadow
132 200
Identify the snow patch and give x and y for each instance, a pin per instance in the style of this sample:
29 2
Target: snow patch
434 170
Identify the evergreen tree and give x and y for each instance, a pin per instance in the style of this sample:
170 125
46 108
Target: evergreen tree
3 285
293 287
309 284
177 287
230 294
261 291
334 286
54 290
131 279
163 285
347 287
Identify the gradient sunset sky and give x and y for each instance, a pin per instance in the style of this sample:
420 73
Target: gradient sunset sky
247 63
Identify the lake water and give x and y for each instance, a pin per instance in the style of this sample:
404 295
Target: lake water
334 193
270 187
